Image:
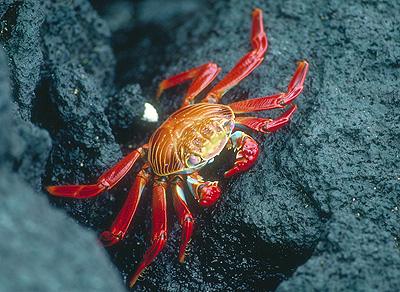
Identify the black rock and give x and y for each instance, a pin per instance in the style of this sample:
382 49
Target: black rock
354 255
44 250
41 248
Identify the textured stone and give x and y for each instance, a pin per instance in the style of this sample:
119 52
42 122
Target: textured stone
44 250
354 255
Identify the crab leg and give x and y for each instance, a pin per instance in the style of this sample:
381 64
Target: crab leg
247 152
106 181
266 125
124 218
159 226
277 100
205 192
246 64
184 214
202 75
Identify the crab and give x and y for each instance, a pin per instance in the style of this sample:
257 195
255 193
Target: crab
189 140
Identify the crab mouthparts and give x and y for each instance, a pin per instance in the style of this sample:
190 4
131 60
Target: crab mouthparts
210 153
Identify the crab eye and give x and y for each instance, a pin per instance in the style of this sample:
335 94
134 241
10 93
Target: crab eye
193 160
230 125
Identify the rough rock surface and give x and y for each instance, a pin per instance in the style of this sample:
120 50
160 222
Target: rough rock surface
353 253
319 211
41 249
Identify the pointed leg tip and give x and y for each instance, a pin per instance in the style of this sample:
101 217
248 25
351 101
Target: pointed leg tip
302 64
61 190
185 241
159 92
54 190
134 279
139 271
182 258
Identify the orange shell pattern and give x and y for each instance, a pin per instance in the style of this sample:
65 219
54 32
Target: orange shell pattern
187 131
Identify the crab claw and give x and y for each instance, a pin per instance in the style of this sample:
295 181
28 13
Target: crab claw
247 154
209 193
205 192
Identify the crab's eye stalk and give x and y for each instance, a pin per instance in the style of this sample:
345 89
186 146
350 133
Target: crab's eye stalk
193 160
229 126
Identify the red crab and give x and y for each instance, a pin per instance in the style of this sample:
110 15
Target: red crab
188 140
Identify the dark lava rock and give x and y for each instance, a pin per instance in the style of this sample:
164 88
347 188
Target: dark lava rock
125 105
319 211
41 248
44 250
73 32
354 255
21 22
77 122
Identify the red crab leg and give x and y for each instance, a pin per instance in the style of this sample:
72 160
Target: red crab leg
277 100
205 192
246 64
202 75
184 214
159 226
247 152
106 181
124 218
266 125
